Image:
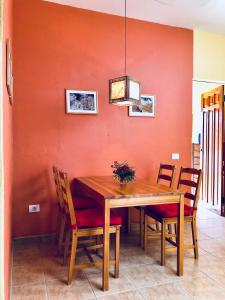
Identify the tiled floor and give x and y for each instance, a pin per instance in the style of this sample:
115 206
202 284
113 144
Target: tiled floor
39 274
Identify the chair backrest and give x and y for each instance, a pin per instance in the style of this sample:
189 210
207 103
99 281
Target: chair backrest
57 187
192 183
67 197
166 174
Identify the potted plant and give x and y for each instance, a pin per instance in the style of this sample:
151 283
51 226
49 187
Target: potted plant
122 172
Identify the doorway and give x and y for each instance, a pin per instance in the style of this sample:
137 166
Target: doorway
207 137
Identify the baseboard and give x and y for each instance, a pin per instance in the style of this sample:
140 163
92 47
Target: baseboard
34 236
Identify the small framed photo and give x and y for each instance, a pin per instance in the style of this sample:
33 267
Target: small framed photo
145 109
81 102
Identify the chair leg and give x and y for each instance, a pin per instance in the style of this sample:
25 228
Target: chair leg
142 227
61 232
145 232
170 230
72 256
163 242
194 237
97 241
117 253
157 226
129 220
66 248
175 228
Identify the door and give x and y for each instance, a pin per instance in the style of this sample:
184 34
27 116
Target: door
212 147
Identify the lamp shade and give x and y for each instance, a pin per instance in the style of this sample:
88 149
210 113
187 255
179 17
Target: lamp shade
124 91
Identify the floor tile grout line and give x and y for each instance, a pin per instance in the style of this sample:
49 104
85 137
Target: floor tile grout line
140 294
189 296
211 278
115 293
85 275
109 293
210 253
163 284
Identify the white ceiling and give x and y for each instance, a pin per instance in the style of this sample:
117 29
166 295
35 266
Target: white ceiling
208 15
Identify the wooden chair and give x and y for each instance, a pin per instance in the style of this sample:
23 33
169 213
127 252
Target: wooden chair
61 216
87 223
166 176
167 214
78 202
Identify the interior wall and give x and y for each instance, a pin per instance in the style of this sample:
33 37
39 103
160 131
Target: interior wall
8 149
57 48
209 62
2 275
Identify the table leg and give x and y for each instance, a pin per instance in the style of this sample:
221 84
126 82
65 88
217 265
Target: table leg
142 217
106 237
180 248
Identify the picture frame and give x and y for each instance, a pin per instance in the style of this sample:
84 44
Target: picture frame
145 109
9 72
81 102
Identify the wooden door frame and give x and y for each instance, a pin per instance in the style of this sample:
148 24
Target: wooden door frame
219 83
2 281
210 110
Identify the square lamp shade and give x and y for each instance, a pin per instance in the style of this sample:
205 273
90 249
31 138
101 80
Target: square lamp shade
124 91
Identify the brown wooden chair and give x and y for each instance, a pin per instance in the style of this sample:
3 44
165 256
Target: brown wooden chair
167 214
61 216
80 202
166 176
87 223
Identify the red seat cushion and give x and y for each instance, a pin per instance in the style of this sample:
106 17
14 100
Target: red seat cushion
94 218
169 210
83 203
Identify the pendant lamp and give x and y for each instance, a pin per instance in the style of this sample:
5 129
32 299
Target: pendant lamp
124 91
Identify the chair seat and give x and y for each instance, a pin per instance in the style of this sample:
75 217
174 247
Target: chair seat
94 218
83 203
169 210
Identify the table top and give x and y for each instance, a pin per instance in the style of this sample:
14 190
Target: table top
109 188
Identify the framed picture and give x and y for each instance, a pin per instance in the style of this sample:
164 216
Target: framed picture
145 109
9 74
81 102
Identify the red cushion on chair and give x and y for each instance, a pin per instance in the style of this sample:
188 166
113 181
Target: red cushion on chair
169 210
84 203
94 218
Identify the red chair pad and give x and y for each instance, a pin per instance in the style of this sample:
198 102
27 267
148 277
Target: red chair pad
94 218
84 203
169 210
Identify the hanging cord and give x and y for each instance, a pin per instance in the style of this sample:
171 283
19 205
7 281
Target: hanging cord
125 38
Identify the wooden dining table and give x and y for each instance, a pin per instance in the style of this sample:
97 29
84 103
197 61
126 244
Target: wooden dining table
110 194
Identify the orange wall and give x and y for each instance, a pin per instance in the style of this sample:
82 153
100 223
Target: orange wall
58 48
7 124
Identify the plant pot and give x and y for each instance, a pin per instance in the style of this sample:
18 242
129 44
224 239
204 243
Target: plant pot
123 185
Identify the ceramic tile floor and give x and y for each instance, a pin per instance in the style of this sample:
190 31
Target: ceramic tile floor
38 273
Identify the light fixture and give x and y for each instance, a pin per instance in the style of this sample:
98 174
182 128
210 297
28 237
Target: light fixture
124 91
